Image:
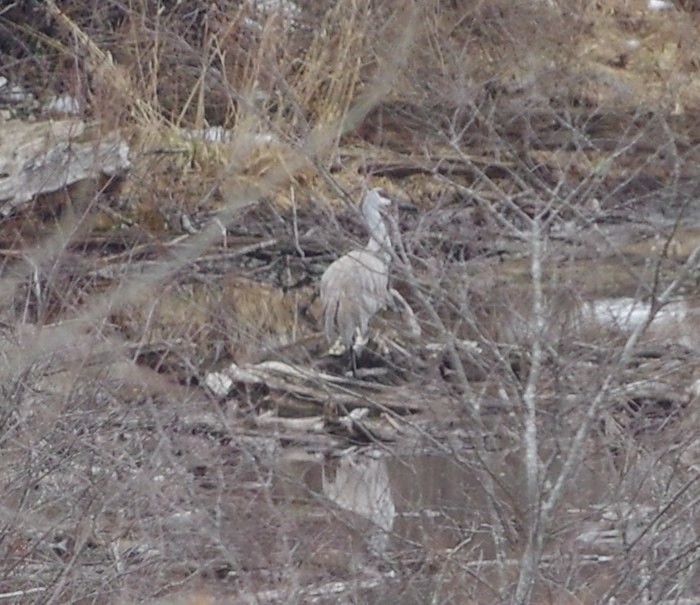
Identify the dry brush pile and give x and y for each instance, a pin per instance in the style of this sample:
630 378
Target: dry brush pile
551 152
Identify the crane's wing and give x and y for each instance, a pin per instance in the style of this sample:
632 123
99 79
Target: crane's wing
353 289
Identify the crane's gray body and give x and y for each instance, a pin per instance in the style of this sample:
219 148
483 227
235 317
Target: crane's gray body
356 286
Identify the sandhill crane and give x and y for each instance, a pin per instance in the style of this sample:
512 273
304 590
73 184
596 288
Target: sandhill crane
356 286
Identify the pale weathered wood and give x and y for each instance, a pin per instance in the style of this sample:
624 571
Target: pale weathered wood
43 157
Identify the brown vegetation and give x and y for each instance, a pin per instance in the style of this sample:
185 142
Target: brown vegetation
172 429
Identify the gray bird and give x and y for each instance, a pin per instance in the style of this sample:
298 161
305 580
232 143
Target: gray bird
356 286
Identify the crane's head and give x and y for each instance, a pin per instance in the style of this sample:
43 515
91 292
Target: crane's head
372 205
374 201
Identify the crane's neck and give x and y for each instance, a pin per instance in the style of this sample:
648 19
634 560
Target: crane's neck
379 240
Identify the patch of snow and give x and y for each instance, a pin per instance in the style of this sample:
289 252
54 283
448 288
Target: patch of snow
213 134
251 23
285 8
621 313
64 104
678 321
264 138
219 134
289 12
14 94
218 383
628 313
659 5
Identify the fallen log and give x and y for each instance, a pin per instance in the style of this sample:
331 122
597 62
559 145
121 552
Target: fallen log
43 157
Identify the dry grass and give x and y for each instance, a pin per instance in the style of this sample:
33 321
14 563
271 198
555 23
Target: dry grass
124 481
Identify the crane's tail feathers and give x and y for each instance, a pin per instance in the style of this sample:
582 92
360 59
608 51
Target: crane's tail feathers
331 308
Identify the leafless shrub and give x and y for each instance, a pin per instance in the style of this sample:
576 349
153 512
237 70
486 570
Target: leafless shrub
541 437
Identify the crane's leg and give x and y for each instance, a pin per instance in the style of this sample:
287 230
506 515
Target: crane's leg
358 344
